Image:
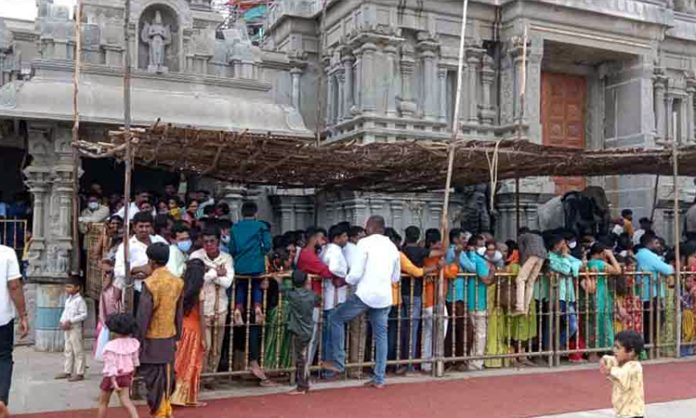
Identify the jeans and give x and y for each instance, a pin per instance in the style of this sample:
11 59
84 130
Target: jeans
353 307
6 345
409 334
393 332
242 289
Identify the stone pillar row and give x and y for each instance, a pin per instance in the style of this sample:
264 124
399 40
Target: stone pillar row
358 77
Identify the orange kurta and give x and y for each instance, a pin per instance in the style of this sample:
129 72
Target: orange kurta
451 271
189 360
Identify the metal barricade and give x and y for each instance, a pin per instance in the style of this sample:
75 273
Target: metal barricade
13 233
94 245
463 324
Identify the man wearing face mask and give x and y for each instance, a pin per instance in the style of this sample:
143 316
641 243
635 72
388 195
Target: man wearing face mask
218 278
179 249
95 212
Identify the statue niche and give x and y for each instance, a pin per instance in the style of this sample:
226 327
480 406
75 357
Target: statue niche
158 50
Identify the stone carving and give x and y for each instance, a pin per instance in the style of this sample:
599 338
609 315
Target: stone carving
685 6
157 36
474 215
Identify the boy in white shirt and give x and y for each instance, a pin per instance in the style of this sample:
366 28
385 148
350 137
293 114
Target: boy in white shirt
335 291
74 314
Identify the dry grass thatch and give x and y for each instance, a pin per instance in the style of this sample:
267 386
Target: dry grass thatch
406 166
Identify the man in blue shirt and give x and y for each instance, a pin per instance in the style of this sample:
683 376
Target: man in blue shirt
651 284
477 304
250 241
455 293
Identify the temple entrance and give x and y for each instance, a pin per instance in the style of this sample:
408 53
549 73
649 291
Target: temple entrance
563 119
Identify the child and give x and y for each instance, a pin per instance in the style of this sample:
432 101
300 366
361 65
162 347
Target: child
626 374
74 314
109 304
121 357
301 301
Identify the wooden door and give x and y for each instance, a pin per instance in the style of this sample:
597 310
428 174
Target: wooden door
563 119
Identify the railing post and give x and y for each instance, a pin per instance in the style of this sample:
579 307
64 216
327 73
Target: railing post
439 328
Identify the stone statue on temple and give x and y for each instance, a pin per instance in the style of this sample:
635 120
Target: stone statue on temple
157 36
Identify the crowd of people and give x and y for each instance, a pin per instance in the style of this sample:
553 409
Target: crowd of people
210 295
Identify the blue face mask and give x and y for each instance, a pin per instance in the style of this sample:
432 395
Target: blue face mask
184 246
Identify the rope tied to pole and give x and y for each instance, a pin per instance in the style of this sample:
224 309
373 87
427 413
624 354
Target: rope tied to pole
493 170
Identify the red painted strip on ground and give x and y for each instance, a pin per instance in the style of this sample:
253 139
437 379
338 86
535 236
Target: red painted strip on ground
490 397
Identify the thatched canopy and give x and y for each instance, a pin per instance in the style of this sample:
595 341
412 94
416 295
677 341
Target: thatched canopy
405 166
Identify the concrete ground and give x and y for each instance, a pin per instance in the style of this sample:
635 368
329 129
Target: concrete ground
35 391
675 409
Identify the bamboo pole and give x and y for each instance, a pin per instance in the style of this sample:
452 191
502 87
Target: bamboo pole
654 204
75 255
677 239
128 294
439 348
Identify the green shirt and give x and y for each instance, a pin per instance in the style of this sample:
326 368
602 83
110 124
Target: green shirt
300 302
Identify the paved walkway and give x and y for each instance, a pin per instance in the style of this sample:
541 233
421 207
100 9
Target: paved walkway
502 393
674 409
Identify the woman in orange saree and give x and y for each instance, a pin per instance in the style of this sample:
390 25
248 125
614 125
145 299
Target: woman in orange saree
190 351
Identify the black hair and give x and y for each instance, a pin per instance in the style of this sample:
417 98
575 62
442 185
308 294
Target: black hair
393 236
647 238
75 280
193 283
522 230
473 240
412 234
312 231
122 324
224 207
161 221
208 210
278 242
554 240
432 236
512 245
142 218
115 218
355 231
336 231
299 278
224 223
249 209
631 341
597 248
191 201
158 252
344 224
180 227
626 212
211 231
454 233
644 220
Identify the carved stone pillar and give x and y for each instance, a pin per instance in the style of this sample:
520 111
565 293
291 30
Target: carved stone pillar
330 86
233 195
519 63
428 49
397 213
357 82
473 61
407 106
338 109
295 74
368 104
487 114
392 81
660 83
442 84
435 210
347 61
690 89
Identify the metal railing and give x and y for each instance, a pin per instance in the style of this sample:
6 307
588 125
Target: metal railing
13 233
558 326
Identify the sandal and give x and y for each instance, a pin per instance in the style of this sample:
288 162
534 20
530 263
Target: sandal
237 318
259 316
267 383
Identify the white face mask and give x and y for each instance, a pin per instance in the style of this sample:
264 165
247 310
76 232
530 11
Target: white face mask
481 250
572 245
93 205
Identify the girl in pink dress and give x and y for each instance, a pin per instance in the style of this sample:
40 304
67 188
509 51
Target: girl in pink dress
121 358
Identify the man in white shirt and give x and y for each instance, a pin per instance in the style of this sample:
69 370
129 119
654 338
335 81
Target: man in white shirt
358 327
645 225
137 250
134 207
11 306
373 270
333 295
95 212
179 248
218 278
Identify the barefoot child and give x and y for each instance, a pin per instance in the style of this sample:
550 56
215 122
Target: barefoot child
121 357
301 302
626 374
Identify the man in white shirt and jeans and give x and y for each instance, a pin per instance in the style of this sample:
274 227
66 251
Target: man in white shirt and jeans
374 268
11 306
